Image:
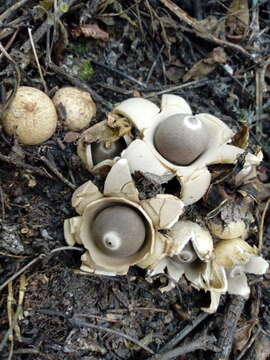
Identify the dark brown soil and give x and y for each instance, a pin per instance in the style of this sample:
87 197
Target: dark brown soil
148 51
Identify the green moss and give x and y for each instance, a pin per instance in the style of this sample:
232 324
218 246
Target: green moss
80 47
86 70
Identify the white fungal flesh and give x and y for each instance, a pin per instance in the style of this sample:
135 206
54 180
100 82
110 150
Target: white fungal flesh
184 232
119 182
176 103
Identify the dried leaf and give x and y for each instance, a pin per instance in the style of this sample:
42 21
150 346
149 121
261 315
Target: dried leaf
174 74
263 174
241 138
207 65
222 172
212 25
61 43
243 334
262 347
237 21
263 190
249 190
71 136
109 130
90 31
120 123
227 172
100 132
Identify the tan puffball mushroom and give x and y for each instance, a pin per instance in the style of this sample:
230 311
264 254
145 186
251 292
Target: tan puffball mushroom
229 253
31 117
231 230
75 106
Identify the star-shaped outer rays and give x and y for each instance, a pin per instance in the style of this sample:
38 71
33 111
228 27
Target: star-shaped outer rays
143 156
158 213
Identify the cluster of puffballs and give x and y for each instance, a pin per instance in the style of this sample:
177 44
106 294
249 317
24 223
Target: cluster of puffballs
32 117
119 228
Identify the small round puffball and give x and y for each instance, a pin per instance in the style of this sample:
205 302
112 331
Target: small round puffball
119 231
181 139
31 117
75 107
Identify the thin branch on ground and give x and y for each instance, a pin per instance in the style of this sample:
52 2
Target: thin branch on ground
35 352
119 72
97 317
75 321
191 84
183 333
10 42
204 342
2 198
35 260
13 256
12 9
18 78
13 26
200 30
10 330
78 323
261 225
57 172
20 164
135 308
154 65
226 336
37 61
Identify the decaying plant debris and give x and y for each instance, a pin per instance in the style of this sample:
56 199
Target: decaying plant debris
114 51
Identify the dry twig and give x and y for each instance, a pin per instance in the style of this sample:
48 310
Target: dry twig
23 165
18 78
183 333
9 332
261 226
35 260
226 337
9 12
191 84
10 42
203 342
200 30
78 323
57 172
37 61
13 26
